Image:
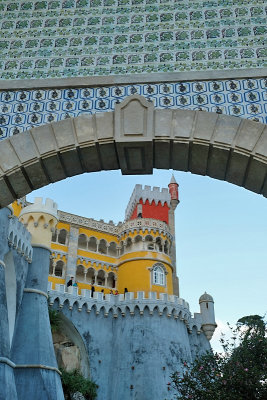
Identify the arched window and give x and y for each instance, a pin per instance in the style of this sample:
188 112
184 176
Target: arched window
166 247
51 267
158 275
59 268
111 280
100 278
82 241
80 273
102 248
149 242
112 250
54 236
62 236
92 245
138 243
90 275
158 244
128 246
122 248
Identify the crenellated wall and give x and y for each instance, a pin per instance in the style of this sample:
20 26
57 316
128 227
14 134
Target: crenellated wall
133 343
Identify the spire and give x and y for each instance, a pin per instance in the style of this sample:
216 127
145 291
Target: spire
173 180
173 190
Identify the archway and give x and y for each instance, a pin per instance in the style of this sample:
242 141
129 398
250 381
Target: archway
136 138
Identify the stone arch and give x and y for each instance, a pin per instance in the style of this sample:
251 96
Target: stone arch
71 340
136 138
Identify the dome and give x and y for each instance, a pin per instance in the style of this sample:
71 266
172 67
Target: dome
206 297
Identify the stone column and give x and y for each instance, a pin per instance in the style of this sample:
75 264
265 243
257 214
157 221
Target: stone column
7 380
36 371
72 252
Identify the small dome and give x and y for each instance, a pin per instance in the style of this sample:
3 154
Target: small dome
206 297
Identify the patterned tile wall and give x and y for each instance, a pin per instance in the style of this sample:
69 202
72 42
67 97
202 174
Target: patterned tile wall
48 39
21 110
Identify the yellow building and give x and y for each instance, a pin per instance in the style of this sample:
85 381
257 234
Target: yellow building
137 255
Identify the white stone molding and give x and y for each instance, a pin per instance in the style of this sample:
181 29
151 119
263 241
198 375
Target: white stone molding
5 360
157 260
49 207
30 290
41 366
169 305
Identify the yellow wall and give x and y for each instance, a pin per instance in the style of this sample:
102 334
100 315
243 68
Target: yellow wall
131 274
136 276
16 208
54 280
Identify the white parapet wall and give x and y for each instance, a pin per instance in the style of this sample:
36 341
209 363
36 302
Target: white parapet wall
169 305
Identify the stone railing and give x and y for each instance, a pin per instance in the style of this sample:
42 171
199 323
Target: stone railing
88 222
118 230
143 224
169 305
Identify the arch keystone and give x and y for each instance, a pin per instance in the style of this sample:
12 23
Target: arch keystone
134 117
134 123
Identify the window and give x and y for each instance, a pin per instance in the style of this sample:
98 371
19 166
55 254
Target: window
158 275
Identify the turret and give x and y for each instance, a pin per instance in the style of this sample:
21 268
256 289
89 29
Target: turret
40 220
173 192
208 316
32 347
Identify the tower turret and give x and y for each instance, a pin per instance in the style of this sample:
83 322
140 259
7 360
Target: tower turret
40 220
208 316
173 191
32 347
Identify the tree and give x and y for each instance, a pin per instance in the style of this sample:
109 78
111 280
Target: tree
240 373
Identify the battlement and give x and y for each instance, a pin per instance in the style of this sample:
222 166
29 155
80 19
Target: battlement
121 304
19 238
47 207
147 193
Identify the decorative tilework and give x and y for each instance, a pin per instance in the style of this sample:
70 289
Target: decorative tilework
49 39
21 110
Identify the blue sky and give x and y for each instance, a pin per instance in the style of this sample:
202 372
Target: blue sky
221 234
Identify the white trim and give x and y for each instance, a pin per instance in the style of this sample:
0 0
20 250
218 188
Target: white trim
29 290
161 275
2 263
146 258
128 79
43 246
39 366
5 360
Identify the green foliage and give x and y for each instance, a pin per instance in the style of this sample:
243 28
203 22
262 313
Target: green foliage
74 382
238 374
55 320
